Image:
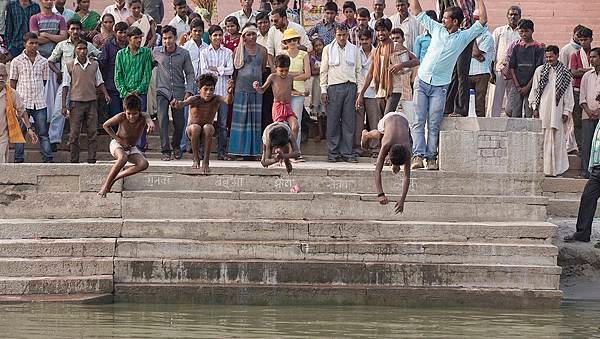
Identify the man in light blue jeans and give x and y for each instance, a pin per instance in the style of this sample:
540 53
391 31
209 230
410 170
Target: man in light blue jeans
435 74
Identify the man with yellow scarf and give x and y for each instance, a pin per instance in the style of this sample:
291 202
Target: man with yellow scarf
11 107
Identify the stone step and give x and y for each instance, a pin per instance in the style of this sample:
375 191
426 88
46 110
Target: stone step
563 185
450 208
346 273
339 230
325 177
56 285
60 228
27 201
55 266
405 252
27 248
328 294
64 156
566 207
88 298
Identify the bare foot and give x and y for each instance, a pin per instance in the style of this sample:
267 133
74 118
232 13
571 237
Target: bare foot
364 140
196 165
102 192
205 169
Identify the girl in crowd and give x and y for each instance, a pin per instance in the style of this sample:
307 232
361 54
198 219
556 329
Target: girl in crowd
232 38
89 19
300 70
316 109
250 61
142 21
106 31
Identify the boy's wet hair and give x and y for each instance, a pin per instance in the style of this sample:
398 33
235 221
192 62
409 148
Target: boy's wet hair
133 102
206 80
279 137
282 61
398 155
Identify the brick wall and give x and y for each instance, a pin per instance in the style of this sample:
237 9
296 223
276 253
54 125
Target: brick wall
554 19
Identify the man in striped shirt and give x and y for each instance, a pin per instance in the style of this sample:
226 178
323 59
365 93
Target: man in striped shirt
133 68
218 61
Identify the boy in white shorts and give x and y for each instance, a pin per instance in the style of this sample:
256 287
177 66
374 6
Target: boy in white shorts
394 132
131 124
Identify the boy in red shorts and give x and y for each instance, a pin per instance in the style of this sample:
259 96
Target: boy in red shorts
282 93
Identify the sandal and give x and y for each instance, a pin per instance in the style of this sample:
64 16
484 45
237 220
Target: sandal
300 158
454 115
166 157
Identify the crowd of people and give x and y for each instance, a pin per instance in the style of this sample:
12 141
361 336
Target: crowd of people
79 65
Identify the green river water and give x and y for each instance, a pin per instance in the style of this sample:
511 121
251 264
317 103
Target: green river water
575 319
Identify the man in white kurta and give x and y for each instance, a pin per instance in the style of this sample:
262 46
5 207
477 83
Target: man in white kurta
551 99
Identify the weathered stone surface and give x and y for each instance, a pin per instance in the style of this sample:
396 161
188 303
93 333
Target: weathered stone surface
566 208
16 203
339 206
336 273
346 181
46 267
82 298
501 145
421 252
314 294
57 285
60 228
338 230
101 247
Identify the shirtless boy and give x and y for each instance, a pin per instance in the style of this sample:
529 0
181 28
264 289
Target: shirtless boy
394 132
282 83
278 141
132 124
203 108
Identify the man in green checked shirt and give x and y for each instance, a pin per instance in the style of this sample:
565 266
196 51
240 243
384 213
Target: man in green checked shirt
133 69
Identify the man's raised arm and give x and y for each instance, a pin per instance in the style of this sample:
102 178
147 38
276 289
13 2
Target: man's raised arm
415 7
482 12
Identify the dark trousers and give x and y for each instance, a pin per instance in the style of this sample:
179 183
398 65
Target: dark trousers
457 99
588 127
341 118
163 123
480 83
267 103
577 121
587 206
83 111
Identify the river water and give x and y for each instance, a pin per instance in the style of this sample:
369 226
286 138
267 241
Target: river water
575 319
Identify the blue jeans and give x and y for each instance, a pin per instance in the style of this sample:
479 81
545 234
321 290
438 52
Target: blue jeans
41 129
429 108
141 144
222 121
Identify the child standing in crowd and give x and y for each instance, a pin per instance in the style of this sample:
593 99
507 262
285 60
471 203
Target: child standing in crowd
349 10
300 71
282 82
316 109
131 124
232 38
81 78
526 56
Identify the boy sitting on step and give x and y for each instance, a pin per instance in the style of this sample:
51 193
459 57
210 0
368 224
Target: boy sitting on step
203 108
394 132
131 125
279 145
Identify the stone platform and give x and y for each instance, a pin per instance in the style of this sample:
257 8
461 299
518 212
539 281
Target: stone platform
239 236
474 233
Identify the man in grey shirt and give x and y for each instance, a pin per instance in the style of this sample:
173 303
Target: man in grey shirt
174 80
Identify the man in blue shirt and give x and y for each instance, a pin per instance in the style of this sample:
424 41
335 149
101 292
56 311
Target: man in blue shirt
435 73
